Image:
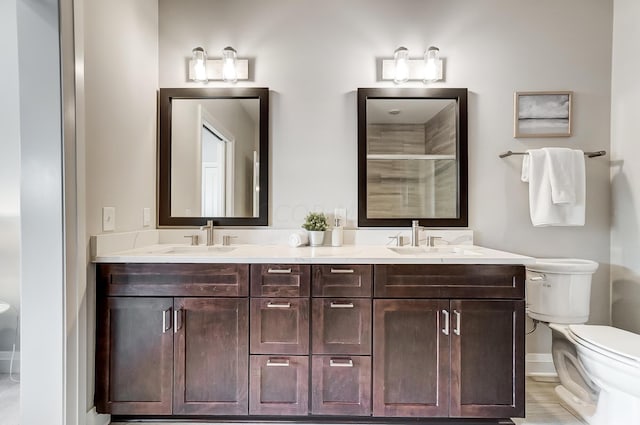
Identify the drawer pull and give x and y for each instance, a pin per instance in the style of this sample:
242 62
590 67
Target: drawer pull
342 271
340 363
278 362
166 324
279 271
278 305
341 305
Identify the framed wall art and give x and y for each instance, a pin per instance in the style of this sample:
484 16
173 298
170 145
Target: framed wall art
542 114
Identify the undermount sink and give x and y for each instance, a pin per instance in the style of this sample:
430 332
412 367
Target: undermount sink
433 250
200 249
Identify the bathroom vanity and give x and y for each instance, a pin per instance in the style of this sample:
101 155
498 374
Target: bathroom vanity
311 334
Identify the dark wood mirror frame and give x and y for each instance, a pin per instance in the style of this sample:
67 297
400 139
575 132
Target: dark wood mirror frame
457 94
166 96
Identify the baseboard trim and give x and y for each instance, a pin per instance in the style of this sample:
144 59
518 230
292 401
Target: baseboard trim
540 365
95 418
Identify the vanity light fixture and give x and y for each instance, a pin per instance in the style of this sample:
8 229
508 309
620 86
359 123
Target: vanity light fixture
432 65
401 65
199 64
401 69
228 69
229 65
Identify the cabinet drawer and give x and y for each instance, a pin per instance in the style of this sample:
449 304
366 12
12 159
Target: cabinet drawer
342 281
280 280
220 280
279 385
448 281
341 326
279 326
341 385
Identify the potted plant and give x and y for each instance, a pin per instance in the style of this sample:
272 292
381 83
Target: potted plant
316 224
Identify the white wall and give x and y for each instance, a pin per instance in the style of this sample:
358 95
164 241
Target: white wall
121 79
625 167
314 55
42 388
9 176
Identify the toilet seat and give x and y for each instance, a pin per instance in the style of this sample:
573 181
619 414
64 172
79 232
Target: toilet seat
611 342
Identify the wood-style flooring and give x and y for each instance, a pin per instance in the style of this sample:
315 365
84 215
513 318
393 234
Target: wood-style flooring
543 406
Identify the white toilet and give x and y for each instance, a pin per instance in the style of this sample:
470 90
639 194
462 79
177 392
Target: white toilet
598 366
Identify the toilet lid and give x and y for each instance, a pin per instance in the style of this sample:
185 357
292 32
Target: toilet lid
609 339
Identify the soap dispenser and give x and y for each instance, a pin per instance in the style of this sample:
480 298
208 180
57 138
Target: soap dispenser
336 233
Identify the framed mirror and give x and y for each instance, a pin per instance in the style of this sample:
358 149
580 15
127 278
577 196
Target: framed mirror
213 157
412 157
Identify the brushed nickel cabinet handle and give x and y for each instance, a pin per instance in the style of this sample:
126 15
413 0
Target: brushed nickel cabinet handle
279 271
166 324
177 320
445 330
278 362
340 363
278 305
456 330
342 271
341 305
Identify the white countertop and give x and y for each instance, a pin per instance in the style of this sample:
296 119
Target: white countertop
347 254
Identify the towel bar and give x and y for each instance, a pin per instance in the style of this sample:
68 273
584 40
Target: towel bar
589 154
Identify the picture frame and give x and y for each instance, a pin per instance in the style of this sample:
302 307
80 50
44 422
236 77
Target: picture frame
542 114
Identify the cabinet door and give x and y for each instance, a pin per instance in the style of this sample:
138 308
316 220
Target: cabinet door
410 358
211 356
279 385
341 326
487 358
134 356
279 326
341 385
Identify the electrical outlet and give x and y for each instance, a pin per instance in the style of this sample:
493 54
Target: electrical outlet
108 219
146 217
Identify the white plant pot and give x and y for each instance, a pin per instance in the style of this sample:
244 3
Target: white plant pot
316 238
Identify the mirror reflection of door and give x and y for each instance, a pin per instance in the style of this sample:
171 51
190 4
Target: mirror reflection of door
217 159
213 174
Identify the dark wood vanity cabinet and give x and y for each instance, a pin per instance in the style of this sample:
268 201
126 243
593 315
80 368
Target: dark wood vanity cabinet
389 341
172 355
449 357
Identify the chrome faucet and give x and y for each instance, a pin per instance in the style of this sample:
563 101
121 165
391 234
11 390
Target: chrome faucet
415 233
209 229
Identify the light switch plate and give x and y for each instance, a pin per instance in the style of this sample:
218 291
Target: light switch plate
146 217
108 219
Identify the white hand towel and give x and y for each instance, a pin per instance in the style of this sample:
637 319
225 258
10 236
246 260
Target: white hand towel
541 207
564 173
298 238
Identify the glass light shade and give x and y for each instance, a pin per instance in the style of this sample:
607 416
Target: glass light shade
199 58
401 65
432 64
229 65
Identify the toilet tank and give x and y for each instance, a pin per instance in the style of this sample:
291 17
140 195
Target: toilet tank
559 289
